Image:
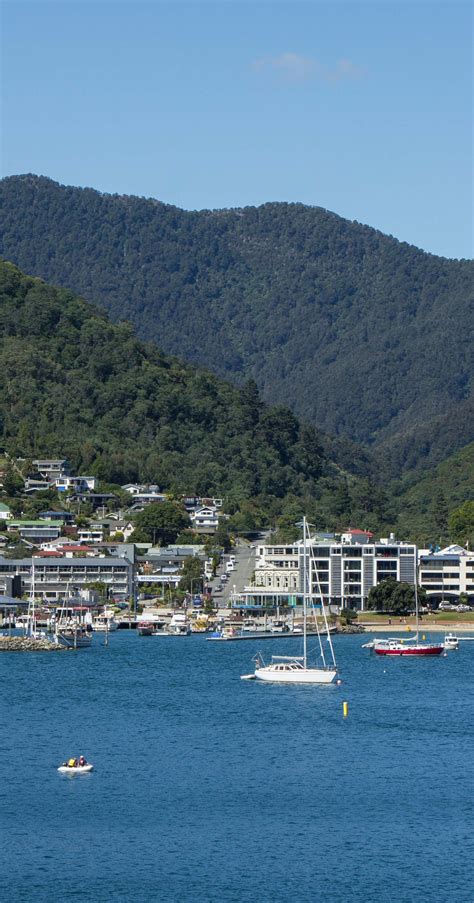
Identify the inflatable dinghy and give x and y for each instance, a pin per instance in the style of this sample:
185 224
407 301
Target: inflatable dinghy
75 769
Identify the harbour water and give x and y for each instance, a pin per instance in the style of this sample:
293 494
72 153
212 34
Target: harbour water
209 788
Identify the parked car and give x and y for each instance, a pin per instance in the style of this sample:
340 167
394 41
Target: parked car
446 606
463 607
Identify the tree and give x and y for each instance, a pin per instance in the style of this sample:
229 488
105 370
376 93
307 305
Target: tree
439 515
191 575
12 482
222 538
160 523
348 615
395 597
342 500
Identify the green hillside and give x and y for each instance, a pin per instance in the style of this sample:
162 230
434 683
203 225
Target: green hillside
424 506
73 384
360 334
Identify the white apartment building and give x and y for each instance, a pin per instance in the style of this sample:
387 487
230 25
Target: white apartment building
342 571
447 573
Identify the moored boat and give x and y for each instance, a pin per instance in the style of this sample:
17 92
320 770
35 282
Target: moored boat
105 623
295 669
411 646
145 628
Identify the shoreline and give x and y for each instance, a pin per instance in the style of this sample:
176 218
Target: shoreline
424 627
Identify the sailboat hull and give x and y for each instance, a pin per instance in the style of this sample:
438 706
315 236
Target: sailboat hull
298 676
394 649
71 641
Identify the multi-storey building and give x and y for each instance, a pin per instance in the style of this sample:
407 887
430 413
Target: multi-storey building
57 578
447 573
342 571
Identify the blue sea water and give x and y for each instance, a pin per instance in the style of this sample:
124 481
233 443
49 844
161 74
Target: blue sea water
209 788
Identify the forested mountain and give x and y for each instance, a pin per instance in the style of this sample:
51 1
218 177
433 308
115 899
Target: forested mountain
366 337
73 384
425 505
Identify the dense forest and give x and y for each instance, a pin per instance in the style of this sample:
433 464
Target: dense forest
425 503
364 336
74 384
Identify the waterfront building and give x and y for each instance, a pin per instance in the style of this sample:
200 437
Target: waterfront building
446 573
342 570
57 578
163 566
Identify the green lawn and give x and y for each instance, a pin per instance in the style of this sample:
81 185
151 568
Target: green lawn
438 617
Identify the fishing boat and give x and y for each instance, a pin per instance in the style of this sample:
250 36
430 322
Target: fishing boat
409 645
293 668
71 629
179 625
105 622
279 627
145 628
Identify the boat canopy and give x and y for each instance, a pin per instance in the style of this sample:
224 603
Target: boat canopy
287 658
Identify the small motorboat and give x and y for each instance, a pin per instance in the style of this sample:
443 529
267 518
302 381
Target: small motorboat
65 768
451 641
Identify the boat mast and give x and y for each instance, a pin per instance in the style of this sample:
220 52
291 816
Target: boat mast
30 621
305 578
416 606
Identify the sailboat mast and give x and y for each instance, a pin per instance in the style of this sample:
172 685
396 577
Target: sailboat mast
305 578
33 588
416 606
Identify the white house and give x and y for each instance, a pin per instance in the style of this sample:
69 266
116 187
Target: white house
64 482
204 519
5 513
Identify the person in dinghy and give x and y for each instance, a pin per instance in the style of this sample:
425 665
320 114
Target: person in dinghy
76 765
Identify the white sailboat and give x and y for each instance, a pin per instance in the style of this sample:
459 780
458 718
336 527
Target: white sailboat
30 626
71 629
295 668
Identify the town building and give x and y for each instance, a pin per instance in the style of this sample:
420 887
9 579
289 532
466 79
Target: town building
343 571
446 573
51 468
65 483
204 520
35 531
56 577
162 567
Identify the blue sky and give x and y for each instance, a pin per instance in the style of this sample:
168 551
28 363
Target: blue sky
362 108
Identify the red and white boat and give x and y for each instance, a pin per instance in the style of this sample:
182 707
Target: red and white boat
410 646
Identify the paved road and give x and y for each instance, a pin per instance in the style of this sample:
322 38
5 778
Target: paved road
239 577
